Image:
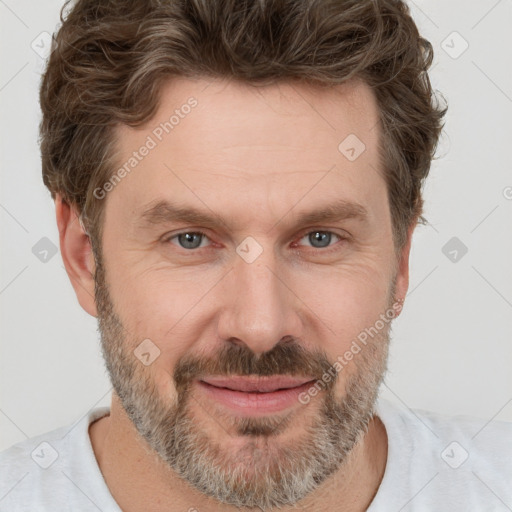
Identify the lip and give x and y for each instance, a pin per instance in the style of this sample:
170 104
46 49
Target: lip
253 396
257 383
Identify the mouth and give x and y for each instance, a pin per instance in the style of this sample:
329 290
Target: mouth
254 395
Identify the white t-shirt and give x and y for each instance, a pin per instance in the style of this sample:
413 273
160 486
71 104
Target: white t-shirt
435 463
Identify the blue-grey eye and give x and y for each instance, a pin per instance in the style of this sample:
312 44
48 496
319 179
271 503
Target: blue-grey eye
189 239
320 239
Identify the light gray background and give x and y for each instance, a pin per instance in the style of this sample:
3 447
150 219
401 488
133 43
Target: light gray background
451 351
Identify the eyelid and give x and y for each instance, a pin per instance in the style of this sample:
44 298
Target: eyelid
322 250
169 236
342 237
318 231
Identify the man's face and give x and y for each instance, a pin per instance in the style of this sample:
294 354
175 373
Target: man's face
264 291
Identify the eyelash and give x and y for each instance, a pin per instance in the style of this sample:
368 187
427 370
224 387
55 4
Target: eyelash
324 250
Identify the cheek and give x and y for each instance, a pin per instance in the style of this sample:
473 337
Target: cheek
153 298
164 307
346 298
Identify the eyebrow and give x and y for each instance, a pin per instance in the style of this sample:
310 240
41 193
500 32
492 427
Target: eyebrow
163 211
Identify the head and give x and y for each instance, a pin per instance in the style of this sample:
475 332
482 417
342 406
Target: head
247 177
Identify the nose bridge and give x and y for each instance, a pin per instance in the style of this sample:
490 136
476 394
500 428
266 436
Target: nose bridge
261 309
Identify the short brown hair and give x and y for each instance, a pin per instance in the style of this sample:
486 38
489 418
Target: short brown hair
109 59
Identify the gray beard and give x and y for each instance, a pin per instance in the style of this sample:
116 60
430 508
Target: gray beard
268 471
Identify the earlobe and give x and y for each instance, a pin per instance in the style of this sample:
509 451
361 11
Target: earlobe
402 276
76 253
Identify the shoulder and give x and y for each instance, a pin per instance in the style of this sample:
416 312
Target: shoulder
39 473
39 451
464 460
482 439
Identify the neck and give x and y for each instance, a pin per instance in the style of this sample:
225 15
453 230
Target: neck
139 480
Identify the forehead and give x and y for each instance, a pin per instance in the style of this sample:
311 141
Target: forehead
228 142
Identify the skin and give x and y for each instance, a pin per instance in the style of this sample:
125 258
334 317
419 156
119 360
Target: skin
257 158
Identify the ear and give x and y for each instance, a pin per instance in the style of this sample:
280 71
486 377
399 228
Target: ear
76 251
402 271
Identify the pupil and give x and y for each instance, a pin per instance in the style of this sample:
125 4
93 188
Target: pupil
320 236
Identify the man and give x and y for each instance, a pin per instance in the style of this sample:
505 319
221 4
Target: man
236 188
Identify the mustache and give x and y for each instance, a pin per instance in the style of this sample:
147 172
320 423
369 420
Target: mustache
285 358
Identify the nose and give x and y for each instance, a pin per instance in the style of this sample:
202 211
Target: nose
260 307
